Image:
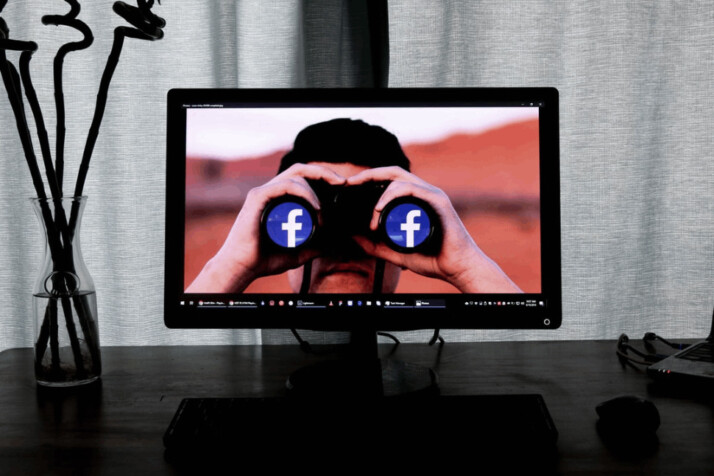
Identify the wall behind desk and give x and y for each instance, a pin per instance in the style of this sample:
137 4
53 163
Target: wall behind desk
637 108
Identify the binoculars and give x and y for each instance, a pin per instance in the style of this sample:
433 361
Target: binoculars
407 224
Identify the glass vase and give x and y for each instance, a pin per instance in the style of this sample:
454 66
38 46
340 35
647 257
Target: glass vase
64 300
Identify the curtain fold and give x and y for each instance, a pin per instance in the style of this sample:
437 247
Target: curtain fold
637 104
312 44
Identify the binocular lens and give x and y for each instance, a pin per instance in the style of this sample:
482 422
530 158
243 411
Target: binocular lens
289 223
408 225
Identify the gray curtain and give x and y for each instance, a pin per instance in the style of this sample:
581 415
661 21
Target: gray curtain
637 107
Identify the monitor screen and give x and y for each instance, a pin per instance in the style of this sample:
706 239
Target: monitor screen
344 208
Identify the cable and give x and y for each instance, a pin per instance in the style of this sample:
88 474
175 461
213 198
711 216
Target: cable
651 336
623 347
306 277
304 345
389 336
437 336
378 276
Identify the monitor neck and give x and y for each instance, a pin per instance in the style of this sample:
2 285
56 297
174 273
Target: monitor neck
364 363
361 374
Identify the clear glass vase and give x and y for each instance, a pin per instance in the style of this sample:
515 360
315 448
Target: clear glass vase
64 300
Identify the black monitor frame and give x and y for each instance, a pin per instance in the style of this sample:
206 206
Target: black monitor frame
464 316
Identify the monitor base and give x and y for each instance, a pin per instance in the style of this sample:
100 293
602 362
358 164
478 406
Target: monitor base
501 429
351 378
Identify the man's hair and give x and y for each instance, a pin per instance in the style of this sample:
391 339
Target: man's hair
346 140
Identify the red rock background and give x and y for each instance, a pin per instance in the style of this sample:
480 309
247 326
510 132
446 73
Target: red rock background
496 172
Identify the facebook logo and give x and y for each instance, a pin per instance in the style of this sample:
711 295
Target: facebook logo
408 225
289 224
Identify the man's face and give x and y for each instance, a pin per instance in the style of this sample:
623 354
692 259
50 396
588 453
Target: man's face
352 272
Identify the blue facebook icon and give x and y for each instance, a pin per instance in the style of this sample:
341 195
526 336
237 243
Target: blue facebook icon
289 224
408 225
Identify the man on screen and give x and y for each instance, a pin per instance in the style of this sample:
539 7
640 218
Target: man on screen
349 153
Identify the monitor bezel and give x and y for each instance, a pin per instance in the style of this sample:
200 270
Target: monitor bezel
181 316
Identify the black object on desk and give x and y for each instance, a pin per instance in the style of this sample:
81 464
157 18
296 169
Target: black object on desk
483 424
632 412
694 363
628 425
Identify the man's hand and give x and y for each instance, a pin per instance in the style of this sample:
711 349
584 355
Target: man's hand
239 261
460 261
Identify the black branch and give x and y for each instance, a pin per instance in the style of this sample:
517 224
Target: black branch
147 26
69 20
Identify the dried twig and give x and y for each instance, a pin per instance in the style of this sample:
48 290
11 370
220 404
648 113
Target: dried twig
147 26
14 92
55 189
70 20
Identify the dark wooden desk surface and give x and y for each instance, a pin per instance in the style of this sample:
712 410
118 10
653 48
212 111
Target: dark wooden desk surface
117 427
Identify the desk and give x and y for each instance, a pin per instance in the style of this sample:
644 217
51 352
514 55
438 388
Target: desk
117 427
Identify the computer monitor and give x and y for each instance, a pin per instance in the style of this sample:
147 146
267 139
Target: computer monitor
363 209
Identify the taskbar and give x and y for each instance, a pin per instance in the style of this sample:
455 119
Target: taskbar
364 303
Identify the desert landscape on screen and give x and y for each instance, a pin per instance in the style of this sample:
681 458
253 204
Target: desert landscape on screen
491 177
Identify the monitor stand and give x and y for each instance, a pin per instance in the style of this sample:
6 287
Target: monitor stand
361 373
340 407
